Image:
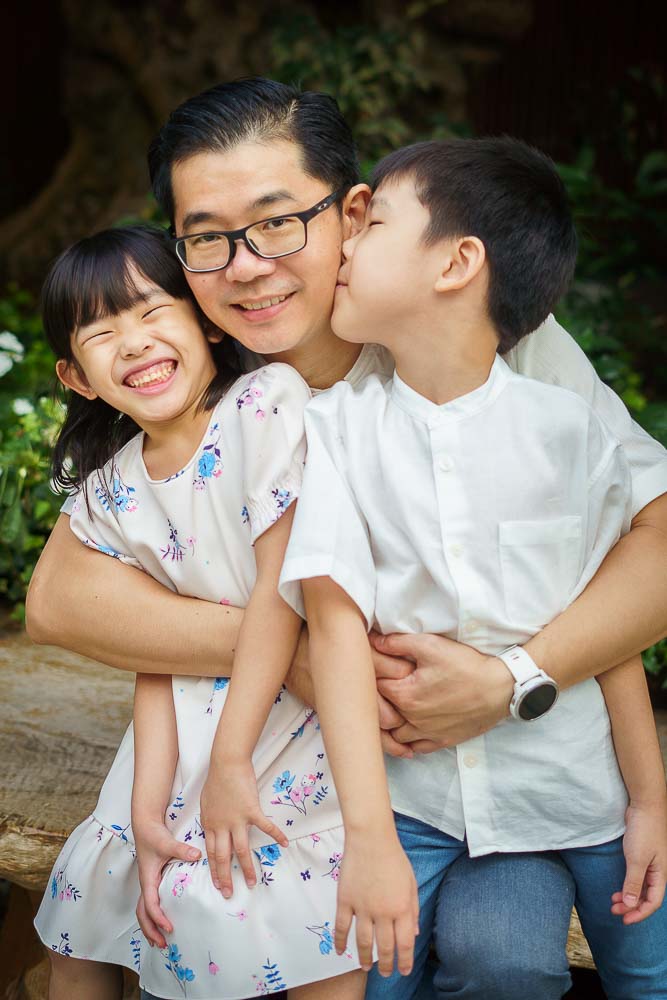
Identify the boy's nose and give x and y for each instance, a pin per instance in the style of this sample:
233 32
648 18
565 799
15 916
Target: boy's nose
246 265
348 246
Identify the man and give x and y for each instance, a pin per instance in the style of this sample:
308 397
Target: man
255 150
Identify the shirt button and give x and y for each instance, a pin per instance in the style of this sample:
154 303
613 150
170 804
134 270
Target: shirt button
470 627
446 463
471 760
456 550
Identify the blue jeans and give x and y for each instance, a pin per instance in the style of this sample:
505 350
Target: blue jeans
501 923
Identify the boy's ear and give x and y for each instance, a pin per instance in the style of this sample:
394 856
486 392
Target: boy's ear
464 260
73 378
355 204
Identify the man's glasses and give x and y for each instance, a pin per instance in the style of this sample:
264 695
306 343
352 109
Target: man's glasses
270 238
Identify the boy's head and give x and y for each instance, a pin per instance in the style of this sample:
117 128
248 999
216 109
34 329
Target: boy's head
240 153
494 208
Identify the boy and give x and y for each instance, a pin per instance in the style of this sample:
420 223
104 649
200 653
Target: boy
463 499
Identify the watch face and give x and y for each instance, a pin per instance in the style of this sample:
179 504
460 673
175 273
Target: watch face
538 701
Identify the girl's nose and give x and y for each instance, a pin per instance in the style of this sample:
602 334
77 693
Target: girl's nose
135 342
246 265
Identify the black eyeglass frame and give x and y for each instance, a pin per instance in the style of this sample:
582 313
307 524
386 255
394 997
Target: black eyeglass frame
234 235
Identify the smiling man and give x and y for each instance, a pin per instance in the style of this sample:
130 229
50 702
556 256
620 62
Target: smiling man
232 168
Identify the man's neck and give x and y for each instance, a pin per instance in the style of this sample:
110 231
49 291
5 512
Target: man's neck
323 360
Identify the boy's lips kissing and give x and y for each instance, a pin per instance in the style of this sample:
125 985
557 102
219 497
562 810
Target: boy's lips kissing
157 373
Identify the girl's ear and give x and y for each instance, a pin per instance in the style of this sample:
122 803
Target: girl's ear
213 333
73 378
355 204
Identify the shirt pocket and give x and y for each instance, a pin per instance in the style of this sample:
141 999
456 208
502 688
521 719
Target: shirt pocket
540 567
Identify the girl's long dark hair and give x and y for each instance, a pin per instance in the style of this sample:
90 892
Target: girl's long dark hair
94 278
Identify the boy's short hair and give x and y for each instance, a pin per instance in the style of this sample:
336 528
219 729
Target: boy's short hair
255 110
510 196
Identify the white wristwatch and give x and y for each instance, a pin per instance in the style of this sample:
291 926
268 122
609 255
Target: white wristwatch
535 693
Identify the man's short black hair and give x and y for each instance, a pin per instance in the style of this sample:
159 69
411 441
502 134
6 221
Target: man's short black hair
510 196
255 109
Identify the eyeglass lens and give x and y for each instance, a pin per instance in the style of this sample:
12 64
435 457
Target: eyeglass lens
273 238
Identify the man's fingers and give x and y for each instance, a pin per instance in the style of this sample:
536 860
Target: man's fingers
264 824
148 927
342 927
390 667
394 749
426 746
242 852
390 717
406 733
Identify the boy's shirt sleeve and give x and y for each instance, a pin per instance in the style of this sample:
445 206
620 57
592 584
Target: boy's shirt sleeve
610 508
552 356
330 535
270 405
96 516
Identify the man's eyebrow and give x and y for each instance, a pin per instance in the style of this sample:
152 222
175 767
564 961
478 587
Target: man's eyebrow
265 201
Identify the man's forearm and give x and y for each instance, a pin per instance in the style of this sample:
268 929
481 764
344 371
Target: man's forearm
621 612
94 605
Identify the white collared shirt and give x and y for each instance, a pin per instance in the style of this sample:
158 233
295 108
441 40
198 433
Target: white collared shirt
480 519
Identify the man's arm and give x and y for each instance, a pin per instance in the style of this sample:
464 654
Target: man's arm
86 601
457 693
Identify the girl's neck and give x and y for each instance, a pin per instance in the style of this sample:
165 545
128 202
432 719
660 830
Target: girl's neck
168 447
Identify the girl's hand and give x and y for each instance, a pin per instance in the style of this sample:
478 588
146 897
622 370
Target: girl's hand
155 846
645 849
377 886
229 804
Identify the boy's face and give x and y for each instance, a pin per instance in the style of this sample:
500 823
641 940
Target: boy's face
229 190
386 282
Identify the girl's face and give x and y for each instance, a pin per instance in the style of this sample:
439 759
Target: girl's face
151 361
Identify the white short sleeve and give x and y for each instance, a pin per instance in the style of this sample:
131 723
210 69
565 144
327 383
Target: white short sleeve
551 355
94 522
69 503
270 404
329 535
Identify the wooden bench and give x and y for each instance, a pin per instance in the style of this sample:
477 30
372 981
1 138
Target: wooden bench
64 717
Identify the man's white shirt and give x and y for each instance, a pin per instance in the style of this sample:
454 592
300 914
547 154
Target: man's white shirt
480 519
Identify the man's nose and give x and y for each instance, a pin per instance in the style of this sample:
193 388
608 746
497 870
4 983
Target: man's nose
246 265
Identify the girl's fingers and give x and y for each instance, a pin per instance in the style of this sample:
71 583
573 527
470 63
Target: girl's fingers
151 899
404 931
264 824
342 928
209 838
365 942
386 945
242 852
148 928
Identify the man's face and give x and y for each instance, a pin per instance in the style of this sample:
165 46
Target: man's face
386 283
230 190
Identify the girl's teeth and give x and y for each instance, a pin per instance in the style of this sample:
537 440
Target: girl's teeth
152 375
263 305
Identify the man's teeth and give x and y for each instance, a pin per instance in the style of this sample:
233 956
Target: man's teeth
150 376
265 304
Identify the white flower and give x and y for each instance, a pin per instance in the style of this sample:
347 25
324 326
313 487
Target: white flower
11 344
6 364
21 407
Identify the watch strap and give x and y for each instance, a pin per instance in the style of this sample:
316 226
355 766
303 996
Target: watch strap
521 666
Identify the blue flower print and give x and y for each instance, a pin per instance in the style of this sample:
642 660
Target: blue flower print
220 683
181 973
271 981
284 781
283 499
175 550
245 516
323 931
268 855
206 464
120 497
210 461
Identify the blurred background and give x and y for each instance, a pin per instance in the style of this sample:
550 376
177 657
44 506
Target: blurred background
87 86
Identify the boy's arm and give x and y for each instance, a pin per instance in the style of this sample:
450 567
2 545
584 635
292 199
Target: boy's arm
266 645
640 760
77 596
155 757
347 706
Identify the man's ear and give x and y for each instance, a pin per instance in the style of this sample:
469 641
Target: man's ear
73 378
464 260
355 204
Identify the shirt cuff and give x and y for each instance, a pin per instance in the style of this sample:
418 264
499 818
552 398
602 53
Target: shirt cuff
307 567
648 486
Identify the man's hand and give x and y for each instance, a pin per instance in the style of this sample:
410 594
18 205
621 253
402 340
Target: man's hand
451 694
229 805
155 847
645 849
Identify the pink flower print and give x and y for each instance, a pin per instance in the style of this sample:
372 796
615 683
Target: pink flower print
200 485
296 795
240 916
315 837
212 967
76 506
217 473
256 392
259 414
68 892
180 882
224 600
308 784
131 505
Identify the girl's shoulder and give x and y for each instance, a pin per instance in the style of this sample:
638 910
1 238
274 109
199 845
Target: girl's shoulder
122 461
268 387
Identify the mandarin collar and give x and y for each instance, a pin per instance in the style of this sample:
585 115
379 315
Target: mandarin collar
431 413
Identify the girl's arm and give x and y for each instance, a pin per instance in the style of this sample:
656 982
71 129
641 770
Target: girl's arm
344 679
267 642
155 757
640 760
163 631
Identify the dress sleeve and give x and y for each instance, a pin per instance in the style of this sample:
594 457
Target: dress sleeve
270 405
329 536
609 499
94 518
551 355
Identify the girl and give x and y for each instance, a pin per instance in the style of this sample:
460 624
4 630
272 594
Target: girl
202 499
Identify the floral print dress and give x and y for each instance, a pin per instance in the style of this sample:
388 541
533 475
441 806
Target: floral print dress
194 532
